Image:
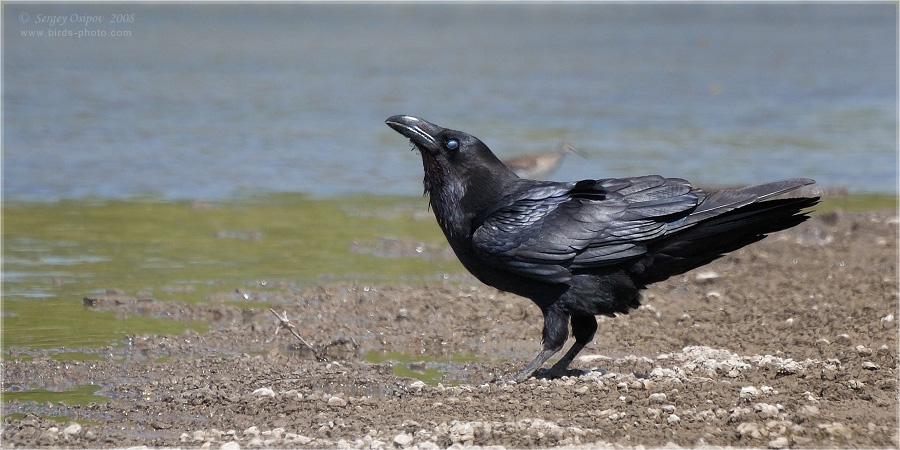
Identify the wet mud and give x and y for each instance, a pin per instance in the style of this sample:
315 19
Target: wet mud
789 343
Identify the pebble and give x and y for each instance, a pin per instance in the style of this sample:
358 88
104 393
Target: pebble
809 410
264 392
749 429
765 410
706 275
337 401
779 442
73 428
836 430
673 419
658 397
230 446
869 365
402 440
748 392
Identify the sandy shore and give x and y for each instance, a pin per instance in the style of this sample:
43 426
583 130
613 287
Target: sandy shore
791 342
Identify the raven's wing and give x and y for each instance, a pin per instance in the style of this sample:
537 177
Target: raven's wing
551 229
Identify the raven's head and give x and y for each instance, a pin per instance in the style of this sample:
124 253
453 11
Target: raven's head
460 171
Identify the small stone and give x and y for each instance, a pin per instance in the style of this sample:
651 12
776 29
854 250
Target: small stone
73 428
837 430
750 430
748 392
887 320
779 442
657 397
337 401
809 410
230 446
855 384
765 410
869 365
264 392
417 385
252 431
402 440
255 443
706 276
673 419
790 367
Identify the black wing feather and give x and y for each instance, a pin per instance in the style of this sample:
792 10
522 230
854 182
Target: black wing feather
552 229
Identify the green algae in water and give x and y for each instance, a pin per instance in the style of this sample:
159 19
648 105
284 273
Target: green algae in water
81 395
55 254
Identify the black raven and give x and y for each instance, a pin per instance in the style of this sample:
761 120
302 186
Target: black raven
583 248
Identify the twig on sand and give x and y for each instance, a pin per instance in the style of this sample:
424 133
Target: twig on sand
286 323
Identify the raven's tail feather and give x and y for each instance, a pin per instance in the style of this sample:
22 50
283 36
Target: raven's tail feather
718 235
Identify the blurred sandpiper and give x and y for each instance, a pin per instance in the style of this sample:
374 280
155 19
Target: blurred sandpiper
537 166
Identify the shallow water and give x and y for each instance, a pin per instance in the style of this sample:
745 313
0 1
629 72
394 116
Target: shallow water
210 101
55 254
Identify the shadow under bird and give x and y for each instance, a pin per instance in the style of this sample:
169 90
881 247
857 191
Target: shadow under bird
583 248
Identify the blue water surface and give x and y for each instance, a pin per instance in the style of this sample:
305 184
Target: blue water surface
209 101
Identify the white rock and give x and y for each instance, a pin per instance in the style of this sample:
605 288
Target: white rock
887 320
337 401
264 392
417 385
748 392
749 429
837 430
707 275
809 410
402 440
73 428
673 419
462 433
765 410
779 442
231 446
657 397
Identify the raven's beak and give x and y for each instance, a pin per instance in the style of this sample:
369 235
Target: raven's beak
420 132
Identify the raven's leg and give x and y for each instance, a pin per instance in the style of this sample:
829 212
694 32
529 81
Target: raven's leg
556 331
583 328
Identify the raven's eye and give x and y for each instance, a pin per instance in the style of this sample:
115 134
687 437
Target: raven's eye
452 144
